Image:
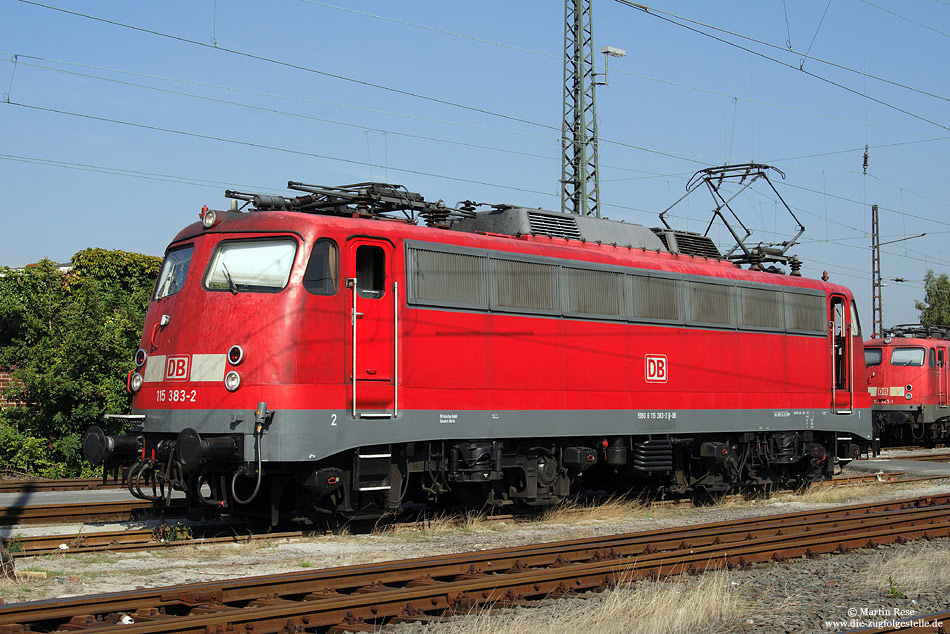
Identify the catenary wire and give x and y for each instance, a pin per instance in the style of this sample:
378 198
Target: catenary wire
660 14
321 72
300 67
262 146
651 12
904 17
618 71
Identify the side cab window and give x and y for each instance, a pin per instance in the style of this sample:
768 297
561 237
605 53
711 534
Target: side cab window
322 276
370 271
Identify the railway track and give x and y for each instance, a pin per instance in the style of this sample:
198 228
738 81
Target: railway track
144 539
80 512
66 484
930 457
94 484
141 539
883 478
357 597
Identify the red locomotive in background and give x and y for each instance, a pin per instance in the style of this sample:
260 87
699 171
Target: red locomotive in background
328 354
909 383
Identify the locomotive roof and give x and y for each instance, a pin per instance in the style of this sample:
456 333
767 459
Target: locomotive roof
912 333
619 248
383 200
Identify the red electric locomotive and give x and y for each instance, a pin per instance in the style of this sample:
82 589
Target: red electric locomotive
328 354
909 383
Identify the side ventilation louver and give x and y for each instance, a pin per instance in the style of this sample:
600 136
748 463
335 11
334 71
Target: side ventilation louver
554 226
687 243
653 455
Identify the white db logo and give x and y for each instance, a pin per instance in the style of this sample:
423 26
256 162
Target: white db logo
656 367
176 368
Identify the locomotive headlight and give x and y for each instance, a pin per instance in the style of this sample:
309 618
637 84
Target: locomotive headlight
909 388
908 395
140 357
235 355
135 383
232 380
209 219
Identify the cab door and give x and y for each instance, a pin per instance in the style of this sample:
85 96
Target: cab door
371 341
842 357
942 376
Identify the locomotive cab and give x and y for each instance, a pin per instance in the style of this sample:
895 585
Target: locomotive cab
909 383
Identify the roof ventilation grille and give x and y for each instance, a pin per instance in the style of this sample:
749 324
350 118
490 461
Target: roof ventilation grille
687 243
554 226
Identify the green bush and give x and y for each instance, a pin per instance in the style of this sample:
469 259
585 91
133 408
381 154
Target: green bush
68 337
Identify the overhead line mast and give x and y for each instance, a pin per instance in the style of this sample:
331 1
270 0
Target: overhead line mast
580 182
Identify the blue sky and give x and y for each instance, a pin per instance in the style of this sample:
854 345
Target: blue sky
115 137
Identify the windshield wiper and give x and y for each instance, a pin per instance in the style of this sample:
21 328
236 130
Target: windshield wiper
227 275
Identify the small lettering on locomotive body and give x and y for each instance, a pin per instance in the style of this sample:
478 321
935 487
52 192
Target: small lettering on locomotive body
176 396
656 415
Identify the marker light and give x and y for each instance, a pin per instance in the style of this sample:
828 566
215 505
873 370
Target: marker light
232 380
909 387
908 396
209 219
235 355
140 357
135 383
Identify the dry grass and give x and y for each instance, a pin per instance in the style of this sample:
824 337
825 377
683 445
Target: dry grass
706 603
612 509
925 569
472 521
857 493
837 494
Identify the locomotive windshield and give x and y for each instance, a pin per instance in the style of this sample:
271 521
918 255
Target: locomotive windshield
873 356
907 356
174 271
257 266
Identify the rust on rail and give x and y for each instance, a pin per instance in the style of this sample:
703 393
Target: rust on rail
361 596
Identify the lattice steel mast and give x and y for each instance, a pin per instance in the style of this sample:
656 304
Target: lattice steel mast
877 305
580 182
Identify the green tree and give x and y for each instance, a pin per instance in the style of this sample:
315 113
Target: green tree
935 309
68 337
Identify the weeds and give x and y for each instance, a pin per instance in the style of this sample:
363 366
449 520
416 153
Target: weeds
173 533
893 592
909 573
611 509
14 544
706 603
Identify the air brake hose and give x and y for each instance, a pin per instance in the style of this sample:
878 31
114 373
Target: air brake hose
132 475
258 433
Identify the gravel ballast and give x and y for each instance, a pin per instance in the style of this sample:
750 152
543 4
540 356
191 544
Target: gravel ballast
806 595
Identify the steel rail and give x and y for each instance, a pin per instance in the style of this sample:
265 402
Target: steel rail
327 607
933 457
65 484
82 512
142 539
875 479
754 539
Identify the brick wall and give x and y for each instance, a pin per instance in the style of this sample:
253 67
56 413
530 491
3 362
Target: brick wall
4 382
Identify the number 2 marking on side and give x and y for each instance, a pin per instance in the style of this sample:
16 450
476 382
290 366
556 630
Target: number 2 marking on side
332 420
